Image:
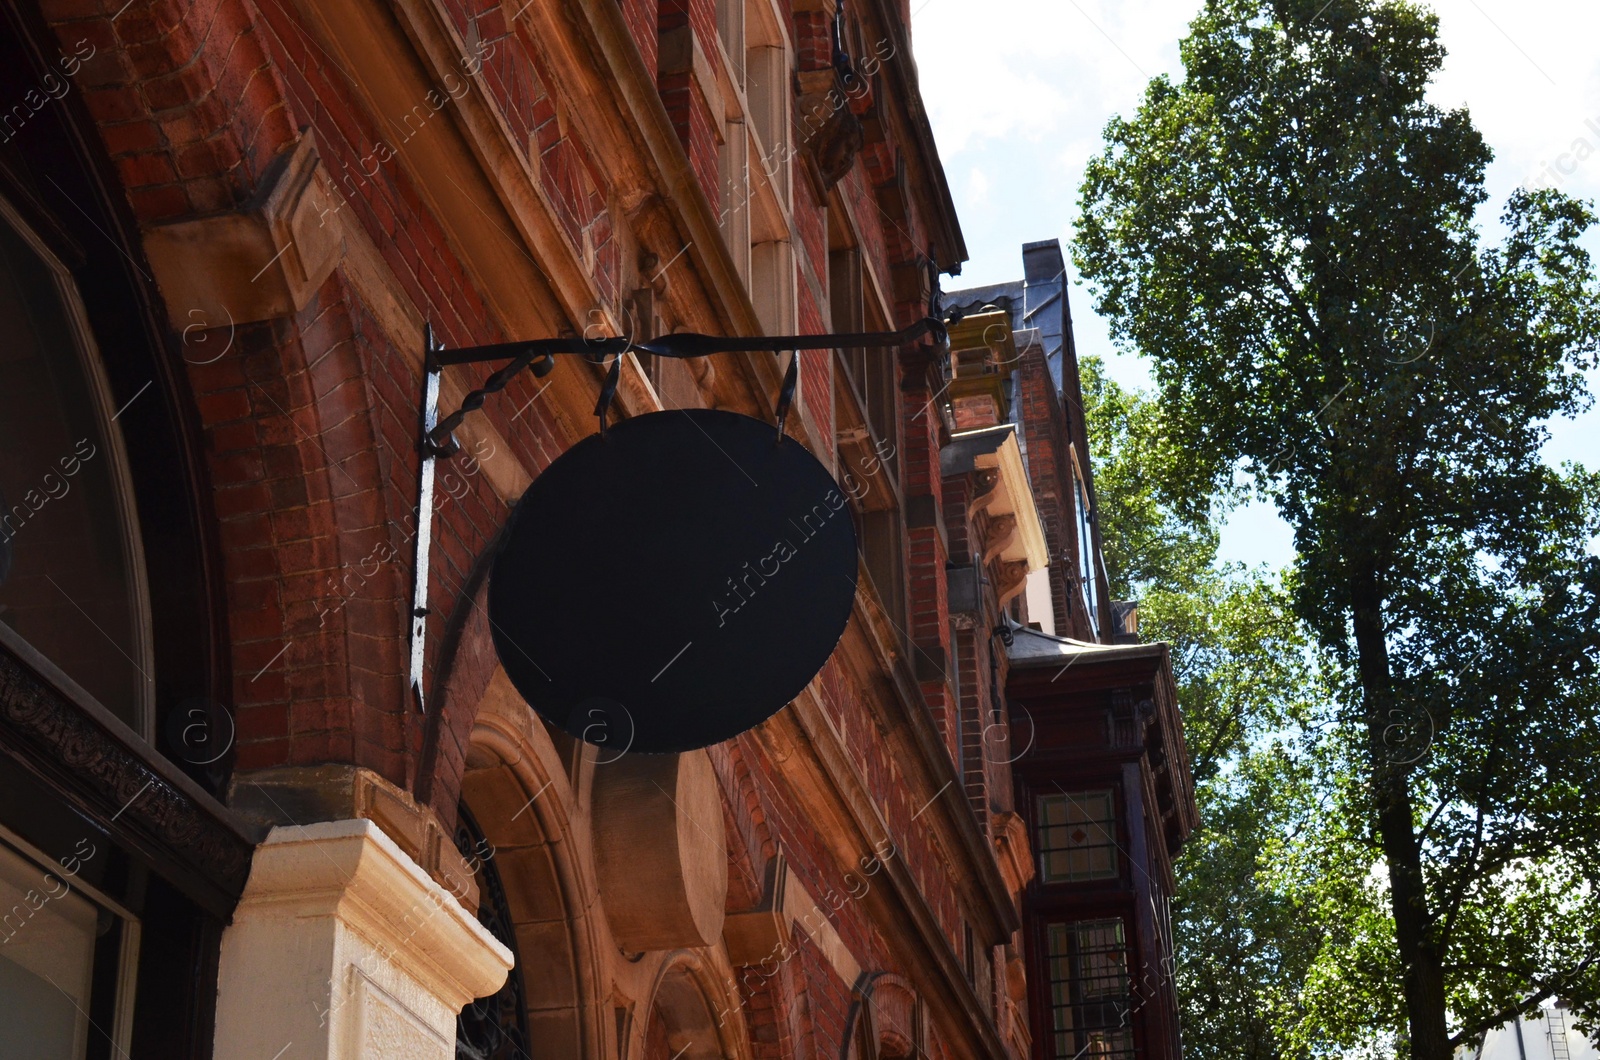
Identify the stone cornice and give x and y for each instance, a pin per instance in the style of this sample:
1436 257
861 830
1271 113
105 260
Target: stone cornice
353 870
903 69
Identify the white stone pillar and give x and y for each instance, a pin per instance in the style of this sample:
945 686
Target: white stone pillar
342 948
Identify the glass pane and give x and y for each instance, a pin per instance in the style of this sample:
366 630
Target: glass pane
1086 555
1077 836
47 938
67 579
1090 992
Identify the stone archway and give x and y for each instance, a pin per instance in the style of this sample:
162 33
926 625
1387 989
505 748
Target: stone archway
887 1020
687 1017
518 789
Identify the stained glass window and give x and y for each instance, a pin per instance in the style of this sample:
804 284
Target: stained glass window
1077 837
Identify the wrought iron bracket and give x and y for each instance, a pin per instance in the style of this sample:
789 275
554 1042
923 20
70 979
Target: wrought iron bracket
540 354
437 435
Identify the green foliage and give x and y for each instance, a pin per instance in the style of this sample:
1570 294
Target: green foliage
1151 535
1243 666
1288 233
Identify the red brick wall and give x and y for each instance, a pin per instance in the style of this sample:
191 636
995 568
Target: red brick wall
686 108
869 222
681 95
309 426
188 104
701 15
816 368
811 224
1050 467
813 40
641 17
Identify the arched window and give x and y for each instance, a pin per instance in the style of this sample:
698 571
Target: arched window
72 580
116 873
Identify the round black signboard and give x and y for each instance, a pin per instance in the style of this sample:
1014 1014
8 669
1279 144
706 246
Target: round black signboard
674 582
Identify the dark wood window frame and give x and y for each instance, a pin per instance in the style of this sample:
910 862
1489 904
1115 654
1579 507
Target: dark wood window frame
168 852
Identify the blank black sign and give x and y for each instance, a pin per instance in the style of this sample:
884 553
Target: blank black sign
674 582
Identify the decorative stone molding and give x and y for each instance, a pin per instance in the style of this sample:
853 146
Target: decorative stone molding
693 1000
764 933
886 1018
1000 535
303 794
344 949
810 916
264 261
56 731
1012 851
1012 580
832 135
659 846
984 481
994 451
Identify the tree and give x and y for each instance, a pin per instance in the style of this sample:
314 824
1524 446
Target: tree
1244 671
1289 234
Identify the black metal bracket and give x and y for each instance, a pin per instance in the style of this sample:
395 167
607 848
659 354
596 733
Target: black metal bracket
539 355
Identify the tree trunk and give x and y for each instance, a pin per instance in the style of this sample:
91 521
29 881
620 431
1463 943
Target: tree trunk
1419 954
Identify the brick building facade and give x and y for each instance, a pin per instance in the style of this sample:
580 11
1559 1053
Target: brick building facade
1096 773
226 225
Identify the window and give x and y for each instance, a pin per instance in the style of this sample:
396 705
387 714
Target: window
754 168
873 374
1089 1001
71 567
866 396
88 871
767 90
977 361
493 1027
733 156
53 940
1086 563
1077 837
768 66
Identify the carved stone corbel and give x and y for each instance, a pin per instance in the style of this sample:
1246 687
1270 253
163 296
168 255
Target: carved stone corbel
1013 576
830 134
260 262
984 480
999 535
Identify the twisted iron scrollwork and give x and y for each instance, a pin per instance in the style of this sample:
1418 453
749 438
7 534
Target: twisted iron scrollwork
540 354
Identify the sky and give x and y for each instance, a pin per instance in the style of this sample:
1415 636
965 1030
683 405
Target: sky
1019 92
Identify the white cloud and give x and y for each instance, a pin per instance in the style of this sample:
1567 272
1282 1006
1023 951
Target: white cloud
978 186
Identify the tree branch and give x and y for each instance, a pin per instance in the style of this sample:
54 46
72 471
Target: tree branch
1547 989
